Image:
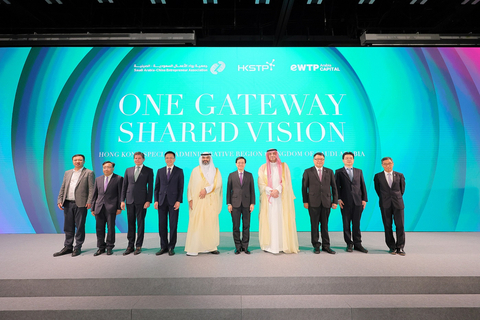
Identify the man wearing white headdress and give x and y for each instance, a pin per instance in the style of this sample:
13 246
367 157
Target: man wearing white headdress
205 202
277 227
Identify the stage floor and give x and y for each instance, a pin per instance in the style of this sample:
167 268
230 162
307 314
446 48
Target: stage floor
428 254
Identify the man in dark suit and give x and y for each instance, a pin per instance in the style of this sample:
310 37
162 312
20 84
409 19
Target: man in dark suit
168 196
75 198
352 198
106 206
241 201
390 186
319 192
137 191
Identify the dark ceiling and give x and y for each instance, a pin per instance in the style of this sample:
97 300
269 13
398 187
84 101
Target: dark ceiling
243 22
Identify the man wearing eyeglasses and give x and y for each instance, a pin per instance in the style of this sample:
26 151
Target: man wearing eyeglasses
319 192
390 186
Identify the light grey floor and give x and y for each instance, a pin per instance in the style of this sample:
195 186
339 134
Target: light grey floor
29 256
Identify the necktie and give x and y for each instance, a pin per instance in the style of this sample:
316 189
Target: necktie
137 172
168 173
389 179
105 185
241 178
320 174
350 173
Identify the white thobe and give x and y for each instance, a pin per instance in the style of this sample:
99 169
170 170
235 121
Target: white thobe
275 213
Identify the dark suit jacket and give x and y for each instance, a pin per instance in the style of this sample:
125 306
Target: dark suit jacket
110 198
83 189
240 195
351 192
172 189
140 191
390 196
317 193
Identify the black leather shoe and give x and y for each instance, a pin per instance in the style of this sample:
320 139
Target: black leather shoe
246 251
109 251
171 252
65 250
400 251
162 251
350 248
360 248
99 252
215 252
392 251
76 252
328 250
128 251
242 249
316 250
138 251
237 251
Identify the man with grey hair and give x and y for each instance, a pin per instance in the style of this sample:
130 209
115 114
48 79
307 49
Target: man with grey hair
205 203
390 186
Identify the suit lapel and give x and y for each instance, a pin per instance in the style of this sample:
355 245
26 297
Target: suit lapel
109 182
315 173
383 179
80 177
344 171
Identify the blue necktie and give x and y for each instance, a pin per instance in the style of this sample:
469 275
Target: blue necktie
350 173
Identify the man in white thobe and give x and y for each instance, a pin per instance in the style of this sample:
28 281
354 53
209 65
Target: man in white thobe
277 227
205 204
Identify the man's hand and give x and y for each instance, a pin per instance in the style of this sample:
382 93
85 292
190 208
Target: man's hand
118 212
340 202
88 206
230 208
93 213
155 205
122 205
334 206
305 205
203 193
176 205
190 204
59 205
274 193
364 203
251 207
146 205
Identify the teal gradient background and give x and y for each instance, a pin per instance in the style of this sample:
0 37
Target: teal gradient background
419 106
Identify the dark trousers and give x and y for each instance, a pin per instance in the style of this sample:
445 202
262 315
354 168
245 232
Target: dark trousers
351 215
244 214
136 218
397 215
166 214
105 218
319 215
74 218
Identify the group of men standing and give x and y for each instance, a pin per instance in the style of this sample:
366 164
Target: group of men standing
109 194
322 190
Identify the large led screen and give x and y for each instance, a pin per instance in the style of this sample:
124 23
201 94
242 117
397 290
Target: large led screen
419 106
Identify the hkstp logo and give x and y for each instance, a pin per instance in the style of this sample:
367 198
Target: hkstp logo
217 67
268 66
